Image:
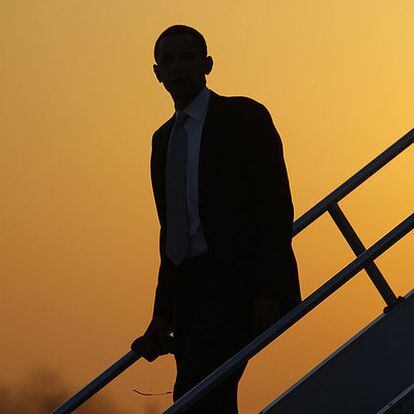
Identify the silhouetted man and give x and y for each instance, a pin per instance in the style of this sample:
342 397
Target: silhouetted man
222 194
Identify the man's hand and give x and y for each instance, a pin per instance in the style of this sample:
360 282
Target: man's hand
156 340
265 312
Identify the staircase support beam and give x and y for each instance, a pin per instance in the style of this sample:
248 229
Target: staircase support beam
358 247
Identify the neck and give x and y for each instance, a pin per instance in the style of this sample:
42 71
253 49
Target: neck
181 103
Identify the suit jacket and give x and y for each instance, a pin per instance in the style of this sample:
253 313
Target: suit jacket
245 204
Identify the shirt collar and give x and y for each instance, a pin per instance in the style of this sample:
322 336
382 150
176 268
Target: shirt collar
198 105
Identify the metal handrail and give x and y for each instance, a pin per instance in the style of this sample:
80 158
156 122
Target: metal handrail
295 314
291 317
98 383
357 179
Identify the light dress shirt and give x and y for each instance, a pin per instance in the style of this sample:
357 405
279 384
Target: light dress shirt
197 110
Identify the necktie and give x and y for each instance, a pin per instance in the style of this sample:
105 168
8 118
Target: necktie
177 215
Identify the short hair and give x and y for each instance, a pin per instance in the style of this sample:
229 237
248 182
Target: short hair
181 29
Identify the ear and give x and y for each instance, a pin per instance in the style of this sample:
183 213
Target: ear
208 65
156 69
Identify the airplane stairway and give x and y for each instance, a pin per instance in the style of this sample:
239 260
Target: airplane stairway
364 375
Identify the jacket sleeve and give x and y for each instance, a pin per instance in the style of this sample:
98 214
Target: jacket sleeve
163 302
270 205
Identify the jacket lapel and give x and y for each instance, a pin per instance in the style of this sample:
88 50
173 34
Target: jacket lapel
209 151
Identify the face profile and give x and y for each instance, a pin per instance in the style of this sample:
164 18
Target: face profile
181 67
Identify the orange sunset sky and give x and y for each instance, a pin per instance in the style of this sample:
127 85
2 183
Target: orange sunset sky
79 232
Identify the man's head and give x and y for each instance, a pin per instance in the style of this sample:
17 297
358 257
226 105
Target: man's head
182 63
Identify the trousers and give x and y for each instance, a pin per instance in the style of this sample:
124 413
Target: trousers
211 309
